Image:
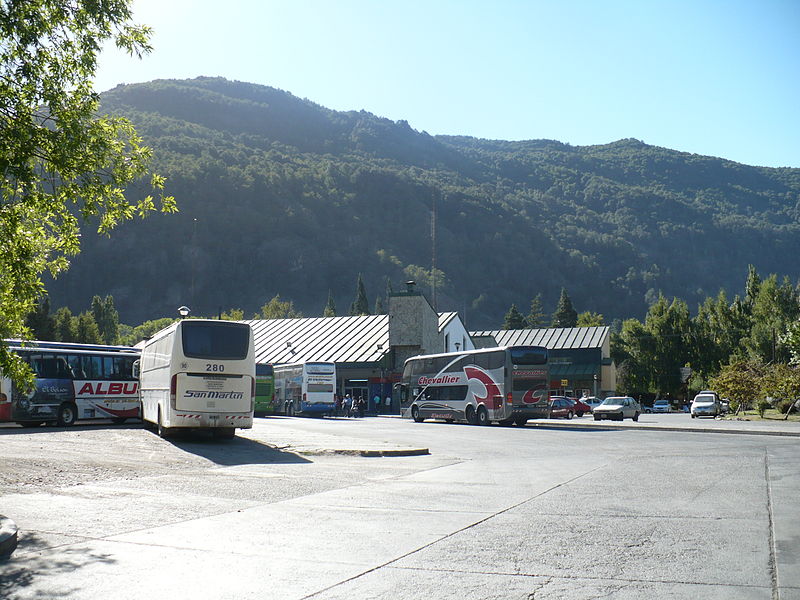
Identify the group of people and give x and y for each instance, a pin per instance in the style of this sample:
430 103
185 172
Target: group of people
349 407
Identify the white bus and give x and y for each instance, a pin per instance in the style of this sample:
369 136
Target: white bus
199 373
507 385
305 388
72 382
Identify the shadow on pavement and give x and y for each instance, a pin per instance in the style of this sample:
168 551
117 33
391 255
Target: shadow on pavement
22 570
238 451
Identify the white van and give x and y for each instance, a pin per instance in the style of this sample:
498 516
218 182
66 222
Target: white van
706 404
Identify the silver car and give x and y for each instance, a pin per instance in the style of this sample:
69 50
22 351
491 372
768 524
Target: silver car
618 408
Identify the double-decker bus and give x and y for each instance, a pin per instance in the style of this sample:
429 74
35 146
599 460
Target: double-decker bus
199 374
305 388
505 385
72 382
265 389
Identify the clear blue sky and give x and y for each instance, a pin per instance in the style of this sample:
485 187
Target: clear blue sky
715 77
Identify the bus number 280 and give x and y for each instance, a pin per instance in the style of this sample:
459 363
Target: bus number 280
214 368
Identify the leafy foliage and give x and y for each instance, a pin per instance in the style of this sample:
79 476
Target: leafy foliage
60 161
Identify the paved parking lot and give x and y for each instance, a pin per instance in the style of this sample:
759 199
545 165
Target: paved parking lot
538 512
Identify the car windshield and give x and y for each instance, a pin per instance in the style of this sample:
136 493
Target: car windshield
661 402
612 401
704 399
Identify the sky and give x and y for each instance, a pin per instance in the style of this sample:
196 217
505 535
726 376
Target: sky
712 77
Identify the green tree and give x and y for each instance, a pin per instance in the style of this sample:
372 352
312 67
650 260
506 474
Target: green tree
279 309
65 327
379 310
39 321
630 349
87 331
360 305
669 325
330 306
107 318
234 314
144 331
56 151
536 317
590 319
565 315
740 381
717 330
514 319
773 308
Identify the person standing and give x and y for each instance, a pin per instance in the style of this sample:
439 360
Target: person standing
348 406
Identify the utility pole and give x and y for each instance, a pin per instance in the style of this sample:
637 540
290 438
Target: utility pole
433 249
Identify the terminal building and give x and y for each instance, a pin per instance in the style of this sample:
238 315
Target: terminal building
369 351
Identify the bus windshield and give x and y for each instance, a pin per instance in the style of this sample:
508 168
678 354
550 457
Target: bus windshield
220 341
528 356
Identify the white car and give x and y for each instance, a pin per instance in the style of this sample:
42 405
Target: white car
618 408
706 404
662 406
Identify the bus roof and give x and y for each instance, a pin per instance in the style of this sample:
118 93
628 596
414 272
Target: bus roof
68 346
468 352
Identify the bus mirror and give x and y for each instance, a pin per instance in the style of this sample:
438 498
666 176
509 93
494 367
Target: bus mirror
135 369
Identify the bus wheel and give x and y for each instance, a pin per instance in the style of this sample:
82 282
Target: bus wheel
67 415
163 432
470 415
290 410
415 414
520 421
483 416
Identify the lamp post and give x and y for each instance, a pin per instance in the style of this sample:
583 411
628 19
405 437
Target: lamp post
594 377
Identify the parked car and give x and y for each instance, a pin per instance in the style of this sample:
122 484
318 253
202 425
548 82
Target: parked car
580 407
706 404
592 402
561 406
618 408
662 406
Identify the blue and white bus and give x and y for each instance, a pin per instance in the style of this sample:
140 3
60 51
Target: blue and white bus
305 388
72 382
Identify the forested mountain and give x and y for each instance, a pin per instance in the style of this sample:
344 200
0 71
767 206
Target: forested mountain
279 195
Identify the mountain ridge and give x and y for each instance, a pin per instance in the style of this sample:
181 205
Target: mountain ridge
321 195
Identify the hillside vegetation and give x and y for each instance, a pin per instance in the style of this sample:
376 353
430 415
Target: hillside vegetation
279 195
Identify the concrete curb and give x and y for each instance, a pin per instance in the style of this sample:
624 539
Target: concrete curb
368 453
609 426
8 537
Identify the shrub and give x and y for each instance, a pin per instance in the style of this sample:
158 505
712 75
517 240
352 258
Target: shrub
762 405
784 405
733 405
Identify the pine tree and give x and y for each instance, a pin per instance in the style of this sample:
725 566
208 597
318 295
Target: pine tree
107 319
330 307
565 315
536 317
40 322
87 330
360 305
65 327
514 319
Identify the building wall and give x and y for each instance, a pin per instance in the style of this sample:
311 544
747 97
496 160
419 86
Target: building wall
455 333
